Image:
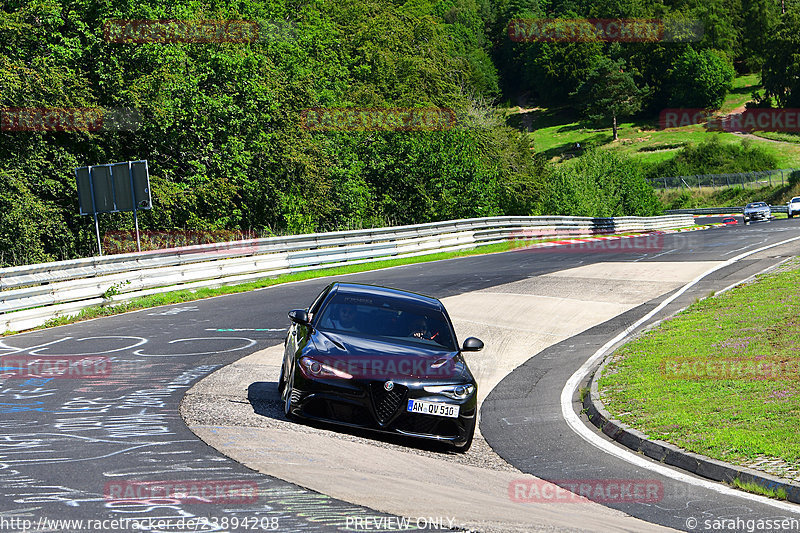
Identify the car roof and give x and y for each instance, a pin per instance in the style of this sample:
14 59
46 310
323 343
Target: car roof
361 289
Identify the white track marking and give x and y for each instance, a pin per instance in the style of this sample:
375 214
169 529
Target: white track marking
575 423
139 342
249 343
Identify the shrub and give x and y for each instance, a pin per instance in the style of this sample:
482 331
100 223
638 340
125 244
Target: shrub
601 183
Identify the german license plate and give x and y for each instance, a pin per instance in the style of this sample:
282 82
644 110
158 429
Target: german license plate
433 408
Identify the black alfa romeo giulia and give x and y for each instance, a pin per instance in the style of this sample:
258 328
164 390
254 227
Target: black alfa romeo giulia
381 359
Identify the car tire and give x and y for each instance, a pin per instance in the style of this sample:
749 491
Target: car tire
287 398
790 215
281 381
465 447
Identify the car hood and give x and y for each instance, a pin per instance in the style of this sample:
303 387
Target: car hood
370 358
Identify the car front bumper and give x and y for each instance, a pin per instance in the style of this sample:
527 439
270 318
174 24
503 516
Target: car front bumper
367 405
758 215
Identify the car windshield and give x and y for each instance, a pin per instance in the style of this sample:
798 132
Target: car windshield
385 317
757 204
796 199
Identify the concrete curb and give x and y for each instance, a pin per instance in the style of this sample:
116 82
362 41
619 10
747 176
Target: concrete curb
666 453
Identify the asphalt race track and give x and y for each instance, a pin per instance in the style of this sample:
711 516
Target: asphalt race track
74 448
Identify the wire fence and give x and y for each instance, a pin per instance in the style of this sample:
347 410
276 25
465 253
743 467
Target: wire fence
763 178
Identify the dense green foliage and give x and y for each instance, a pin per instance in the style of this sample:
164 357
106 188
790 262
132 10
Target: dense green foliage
221 127
692 68
221 121
601 183
781 71
713 157
700 79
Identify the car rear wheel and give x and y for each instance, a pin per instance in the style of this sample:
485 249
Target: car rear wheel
791 215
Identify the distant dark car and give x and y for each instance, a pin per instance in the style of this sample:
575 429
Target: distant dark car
380 359
729 221
756 211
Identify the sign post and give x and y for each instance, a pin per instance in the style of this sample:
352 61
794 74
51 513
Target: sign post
114 188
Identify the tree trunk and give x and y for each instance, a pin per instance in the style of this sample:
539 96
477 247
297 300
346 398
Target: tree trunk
615 127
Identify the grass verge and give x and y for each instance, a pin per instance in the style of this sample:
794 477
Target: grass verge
719 378
188 295
778 194
755 488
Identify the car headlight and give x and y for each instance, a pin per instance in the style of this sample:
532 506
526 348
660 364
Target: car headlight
457 392
315 369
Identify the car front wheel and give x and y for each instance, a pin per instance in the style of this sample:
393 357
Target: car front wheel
465 447
281 381
287 397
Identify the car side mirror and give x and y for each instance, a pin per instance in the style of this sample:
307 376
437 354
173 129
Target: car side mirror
471 344
299 316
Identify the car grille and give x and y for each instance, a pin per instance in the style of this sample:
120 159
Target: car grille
387 402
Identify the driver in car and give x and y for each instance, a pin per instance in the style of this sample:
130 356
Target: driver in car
345 318
419 328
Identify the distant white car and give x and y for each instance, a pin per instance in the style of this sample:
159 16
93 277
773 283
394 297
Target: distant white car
793 207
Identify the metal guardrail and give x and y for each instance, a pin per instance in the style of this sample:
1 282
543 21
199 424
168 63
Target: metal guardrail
721 210
32 294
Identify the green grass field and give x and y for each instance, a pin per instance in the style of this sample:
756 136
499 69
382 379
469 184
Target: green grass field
556 132
720 378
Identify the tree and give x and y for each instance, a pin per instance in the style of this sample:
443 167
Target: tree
610 92
781 72
760 17
700 79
